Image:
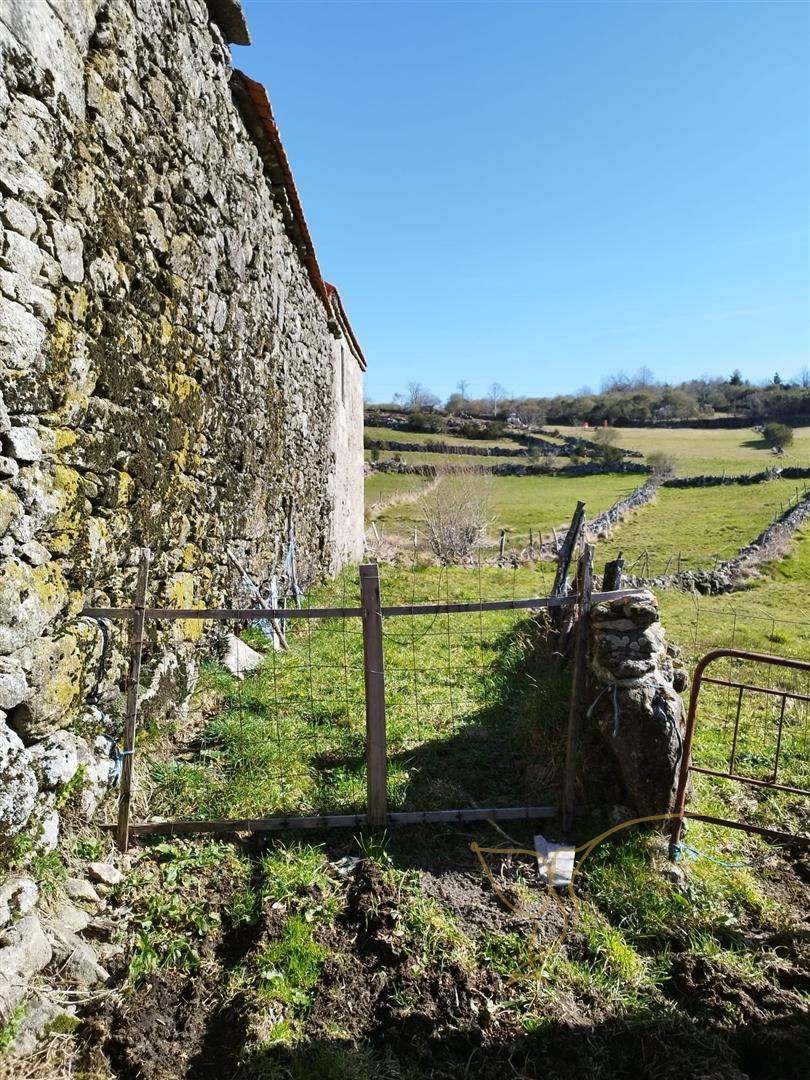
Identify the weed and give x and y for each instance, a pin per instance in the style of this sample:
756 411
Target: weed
49 872
243 907
87 847
8 1032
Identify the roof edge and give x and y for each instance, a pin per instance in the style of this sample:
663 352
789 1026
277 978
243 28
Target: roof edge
257 115
345 325
230 18
254 105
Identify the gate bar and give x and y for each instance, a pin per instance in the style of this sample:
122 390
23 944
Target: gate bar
333 821
681 813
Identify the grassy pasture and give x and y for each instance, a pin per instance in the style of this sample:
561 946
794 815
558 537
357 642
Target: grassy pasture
394 435
518 503
710 451
290 738
380 487
700 523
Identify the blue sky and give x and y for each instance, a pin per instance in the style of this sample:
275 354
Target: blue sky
542 194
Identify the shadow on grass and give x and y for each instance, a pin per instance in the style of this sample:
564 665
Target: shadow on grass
640 1045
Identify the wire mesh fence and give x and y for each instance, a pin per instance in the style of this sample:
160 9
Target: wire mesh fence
467 719
475 707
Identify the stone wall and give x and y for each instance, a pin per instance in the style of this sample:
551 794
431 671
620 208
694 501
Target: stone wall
169 359
636 711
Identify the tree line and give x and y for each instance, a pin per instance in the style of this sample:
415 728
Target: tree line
623 399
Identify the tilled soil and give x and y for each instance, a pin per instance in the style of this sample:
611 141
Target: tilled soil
447 1022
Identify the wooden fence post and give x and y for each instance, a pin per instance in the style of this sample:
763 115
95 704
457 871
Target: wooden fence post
566 553
501 546
136 647
578 684
374 671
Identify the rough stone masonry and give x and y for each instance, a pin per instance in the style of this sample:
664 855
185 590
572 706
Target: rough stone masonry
174 371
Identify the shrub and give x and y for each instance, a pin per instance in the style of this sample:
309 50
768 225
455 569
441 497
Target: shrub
456 514
777 435
661 465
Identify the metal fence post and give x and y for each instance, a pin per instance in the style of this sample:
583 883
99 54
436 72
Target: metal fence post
579 684
138 623
374 671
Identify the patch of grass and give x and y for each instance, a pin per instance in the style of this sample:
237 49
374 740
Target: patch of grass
291 869
519 503
49 872
460 695
243 907
9 1030
507 954
289 968
431 932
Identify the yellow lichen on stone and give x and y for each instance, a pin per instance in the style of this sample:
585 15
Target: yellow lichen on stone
181 386
125 489
64 438
166 330
180 593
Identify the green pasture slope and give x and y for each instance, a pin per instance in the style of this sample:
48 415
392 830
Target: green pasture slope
700 524
519 503
380 487
701 451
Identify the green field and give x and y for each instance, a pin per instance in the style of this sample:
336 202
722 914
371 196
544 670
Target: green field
701 452
770 615
518 503
381 486
394 435
697 524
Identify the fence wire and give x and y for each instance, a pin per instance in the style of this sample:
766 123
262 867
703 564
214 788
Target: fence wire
467 711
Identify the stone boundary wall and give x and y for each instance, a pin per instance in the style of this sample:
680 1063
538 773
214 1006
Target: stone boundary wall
511 468
169 361
603 522
768 545
788 473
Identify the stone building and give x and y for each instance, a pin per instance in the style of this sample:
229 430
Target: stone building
174 370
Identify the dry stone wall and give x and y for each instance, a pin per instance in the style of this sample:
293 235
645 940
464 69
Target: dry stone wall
167 367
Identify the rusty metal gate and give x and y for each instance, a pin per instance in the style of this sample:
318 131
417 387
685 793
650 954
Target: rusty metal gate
776 731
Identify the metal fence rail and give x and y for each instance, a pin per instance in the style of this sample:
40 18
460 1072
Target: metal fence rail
363 623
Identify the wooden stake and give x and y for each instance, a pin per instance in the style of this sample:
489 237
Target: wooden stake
138 623
578 685
374 671
501 545
566 554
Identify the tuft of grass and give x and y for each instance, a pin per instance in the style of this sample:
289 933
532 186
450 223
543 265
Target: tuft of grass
290 870
289 968
49 872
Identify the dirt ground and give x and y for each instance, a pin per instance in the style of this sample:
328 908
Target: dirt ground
377 1013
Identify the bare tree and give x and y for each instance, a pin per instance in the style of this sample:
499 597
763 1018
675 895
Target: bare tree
461 386
456 513
419 397
804 378
496 395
